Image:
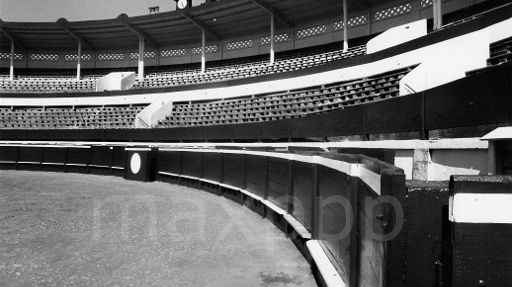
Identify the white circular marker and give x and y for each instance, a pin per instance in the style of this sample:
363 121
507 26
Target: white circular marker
135 163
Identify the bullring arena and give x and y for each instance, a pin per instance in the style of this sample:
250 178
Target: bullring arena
85 230
256 143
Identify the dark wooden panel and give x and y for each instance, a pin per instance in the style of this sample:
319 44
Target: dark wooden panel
169 161
213 169
191 163
118 156
256 174
8 153
30 154
303 188
234 170
335 214
79 155
101 155
279 182
54 155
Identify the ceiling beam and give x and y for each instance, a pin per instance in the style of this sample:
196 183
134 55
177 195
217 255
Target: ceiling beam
10 36
125 21
273 11
200 25
64 24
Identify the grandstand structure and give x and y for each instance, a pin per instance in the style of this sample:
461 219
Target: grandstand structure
279 105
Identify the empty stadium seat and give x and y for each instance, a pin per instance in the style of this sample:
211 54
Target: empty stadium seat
501 52
286 105
52 84
90 117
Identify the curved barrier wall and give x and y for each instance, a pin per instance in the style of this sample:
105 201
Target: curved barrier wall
332 206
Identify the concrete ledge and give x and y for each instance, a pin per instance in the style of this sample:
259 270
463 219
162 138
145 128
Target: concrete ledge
28 162
448 143
53 163
297 226
439 158
326 270
76 164
99 166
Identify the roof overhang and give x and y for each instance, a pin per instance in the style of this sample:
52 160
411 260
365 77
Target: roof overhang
125 21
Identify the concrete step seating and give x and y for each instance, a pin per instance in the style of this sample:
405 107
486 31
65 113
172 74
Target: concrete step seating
285 105
501 52
161 79
95 117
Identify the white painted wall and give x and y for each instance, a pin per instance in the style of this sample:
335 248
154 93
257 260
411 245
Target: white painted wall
457 162
152 114
451 63
443 163
116 81
397 35
404 160
490 208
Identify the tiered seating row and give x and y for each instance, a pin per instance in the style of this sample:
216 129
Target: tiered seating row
501 52
93 117
41 84
254 69
46 85
286 105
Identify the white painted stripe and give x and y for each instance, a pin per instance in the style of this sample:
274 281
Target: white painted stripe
297 226
53 163
371 178
252 195
41 144
324 265
77 164
137 149
455 144
274 207
29 162
99 166
481 208
450 209
201 179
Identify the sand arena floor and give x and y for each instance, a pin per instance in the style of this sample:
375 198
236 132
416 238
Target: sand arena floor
60 229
